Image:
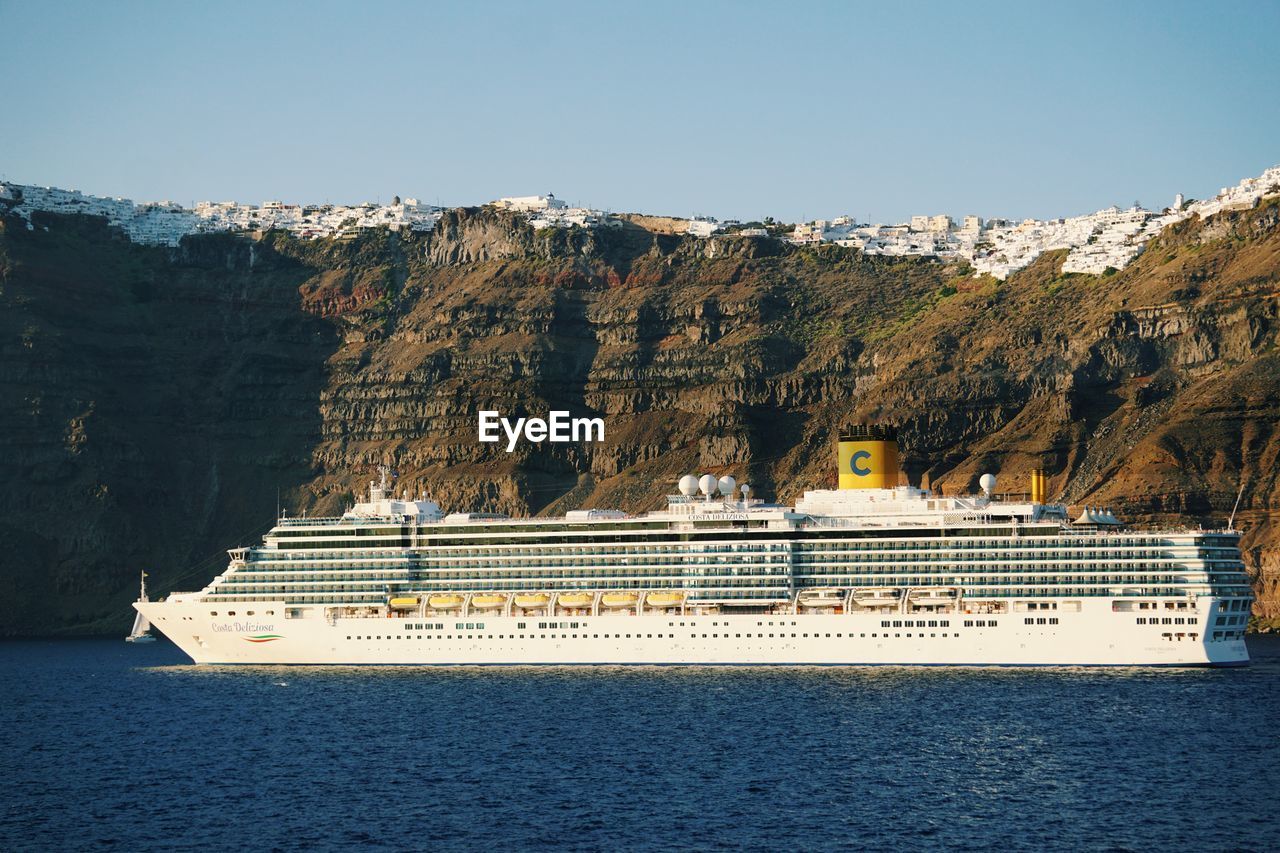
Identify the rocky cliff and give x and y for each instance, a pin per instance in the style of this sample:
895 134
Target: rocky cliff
156 401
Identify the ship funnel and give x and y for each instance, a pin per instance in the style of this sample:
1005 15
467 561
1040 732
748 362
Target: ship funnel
867 457
1039 486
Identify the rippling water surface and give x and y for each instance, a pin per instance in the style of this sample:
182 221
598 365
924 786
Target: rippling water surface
106 744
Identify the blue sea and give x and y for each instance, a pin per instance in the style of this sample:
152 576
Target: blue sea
107 745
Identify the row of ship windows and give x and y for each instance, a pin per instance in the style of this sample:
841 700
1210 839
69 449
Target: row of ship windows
758 564
319 597
931 623
702 579
1217 636
849 552
952 542
887 623
856 552
267 555
834 552
491 584
1230 620
314 530
558 543
362 532
1040 544
718 588
1015 547
712 636
543 626
1153 562
1237 604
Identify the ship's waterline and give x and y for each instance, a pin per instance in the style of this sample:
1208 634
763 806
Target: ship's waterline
870 573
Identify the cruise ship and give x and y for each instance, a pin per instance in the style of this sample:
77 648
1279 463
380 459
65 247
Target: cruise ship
871 572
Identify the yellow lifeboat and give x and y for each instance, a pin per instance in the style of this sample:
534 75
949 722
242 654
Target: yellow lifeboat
619 599
445 602
488 602
664 599
406 602
532 601
575 599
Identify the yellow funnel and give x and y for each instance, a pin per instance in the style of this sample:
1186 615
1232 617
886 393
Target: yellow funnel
868 458
1039 486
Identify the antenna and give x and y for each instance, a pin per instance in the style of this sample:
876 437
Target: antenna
1231 522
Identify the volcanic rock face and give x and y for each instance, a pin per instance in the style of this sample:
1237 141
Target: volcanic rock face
155 401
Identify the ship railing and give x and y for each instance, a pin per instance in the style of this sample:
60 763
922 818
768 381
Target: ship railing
859 524
303 521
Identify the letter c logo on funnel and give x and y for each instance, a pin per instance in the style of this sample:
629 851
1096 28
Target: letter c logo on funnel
855 459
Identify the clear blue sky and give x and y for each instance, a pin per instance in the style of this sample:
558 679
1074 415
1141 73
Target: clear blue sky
796 110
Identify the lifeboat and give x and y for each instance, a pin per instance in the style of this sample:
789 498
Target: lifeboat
404 602
619 599
488 601
664 599
444 602
575 599
532 601
877 596
821 598
932 597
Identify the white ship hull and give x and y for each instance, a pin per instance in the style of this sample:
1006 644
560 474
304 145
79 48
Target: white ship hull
1095 636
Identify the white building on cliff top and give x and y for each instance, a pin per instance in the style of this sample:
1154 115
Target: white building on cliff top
1095 242
531 203
166 223
703 226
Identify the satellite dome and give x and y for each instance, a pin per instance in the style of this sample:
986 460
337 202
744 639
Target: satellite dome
707 484
727 485
988 483
688 485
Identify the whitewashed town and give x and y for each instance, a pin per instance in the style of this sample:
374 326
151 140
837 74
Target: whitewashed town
1096 243
165 223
